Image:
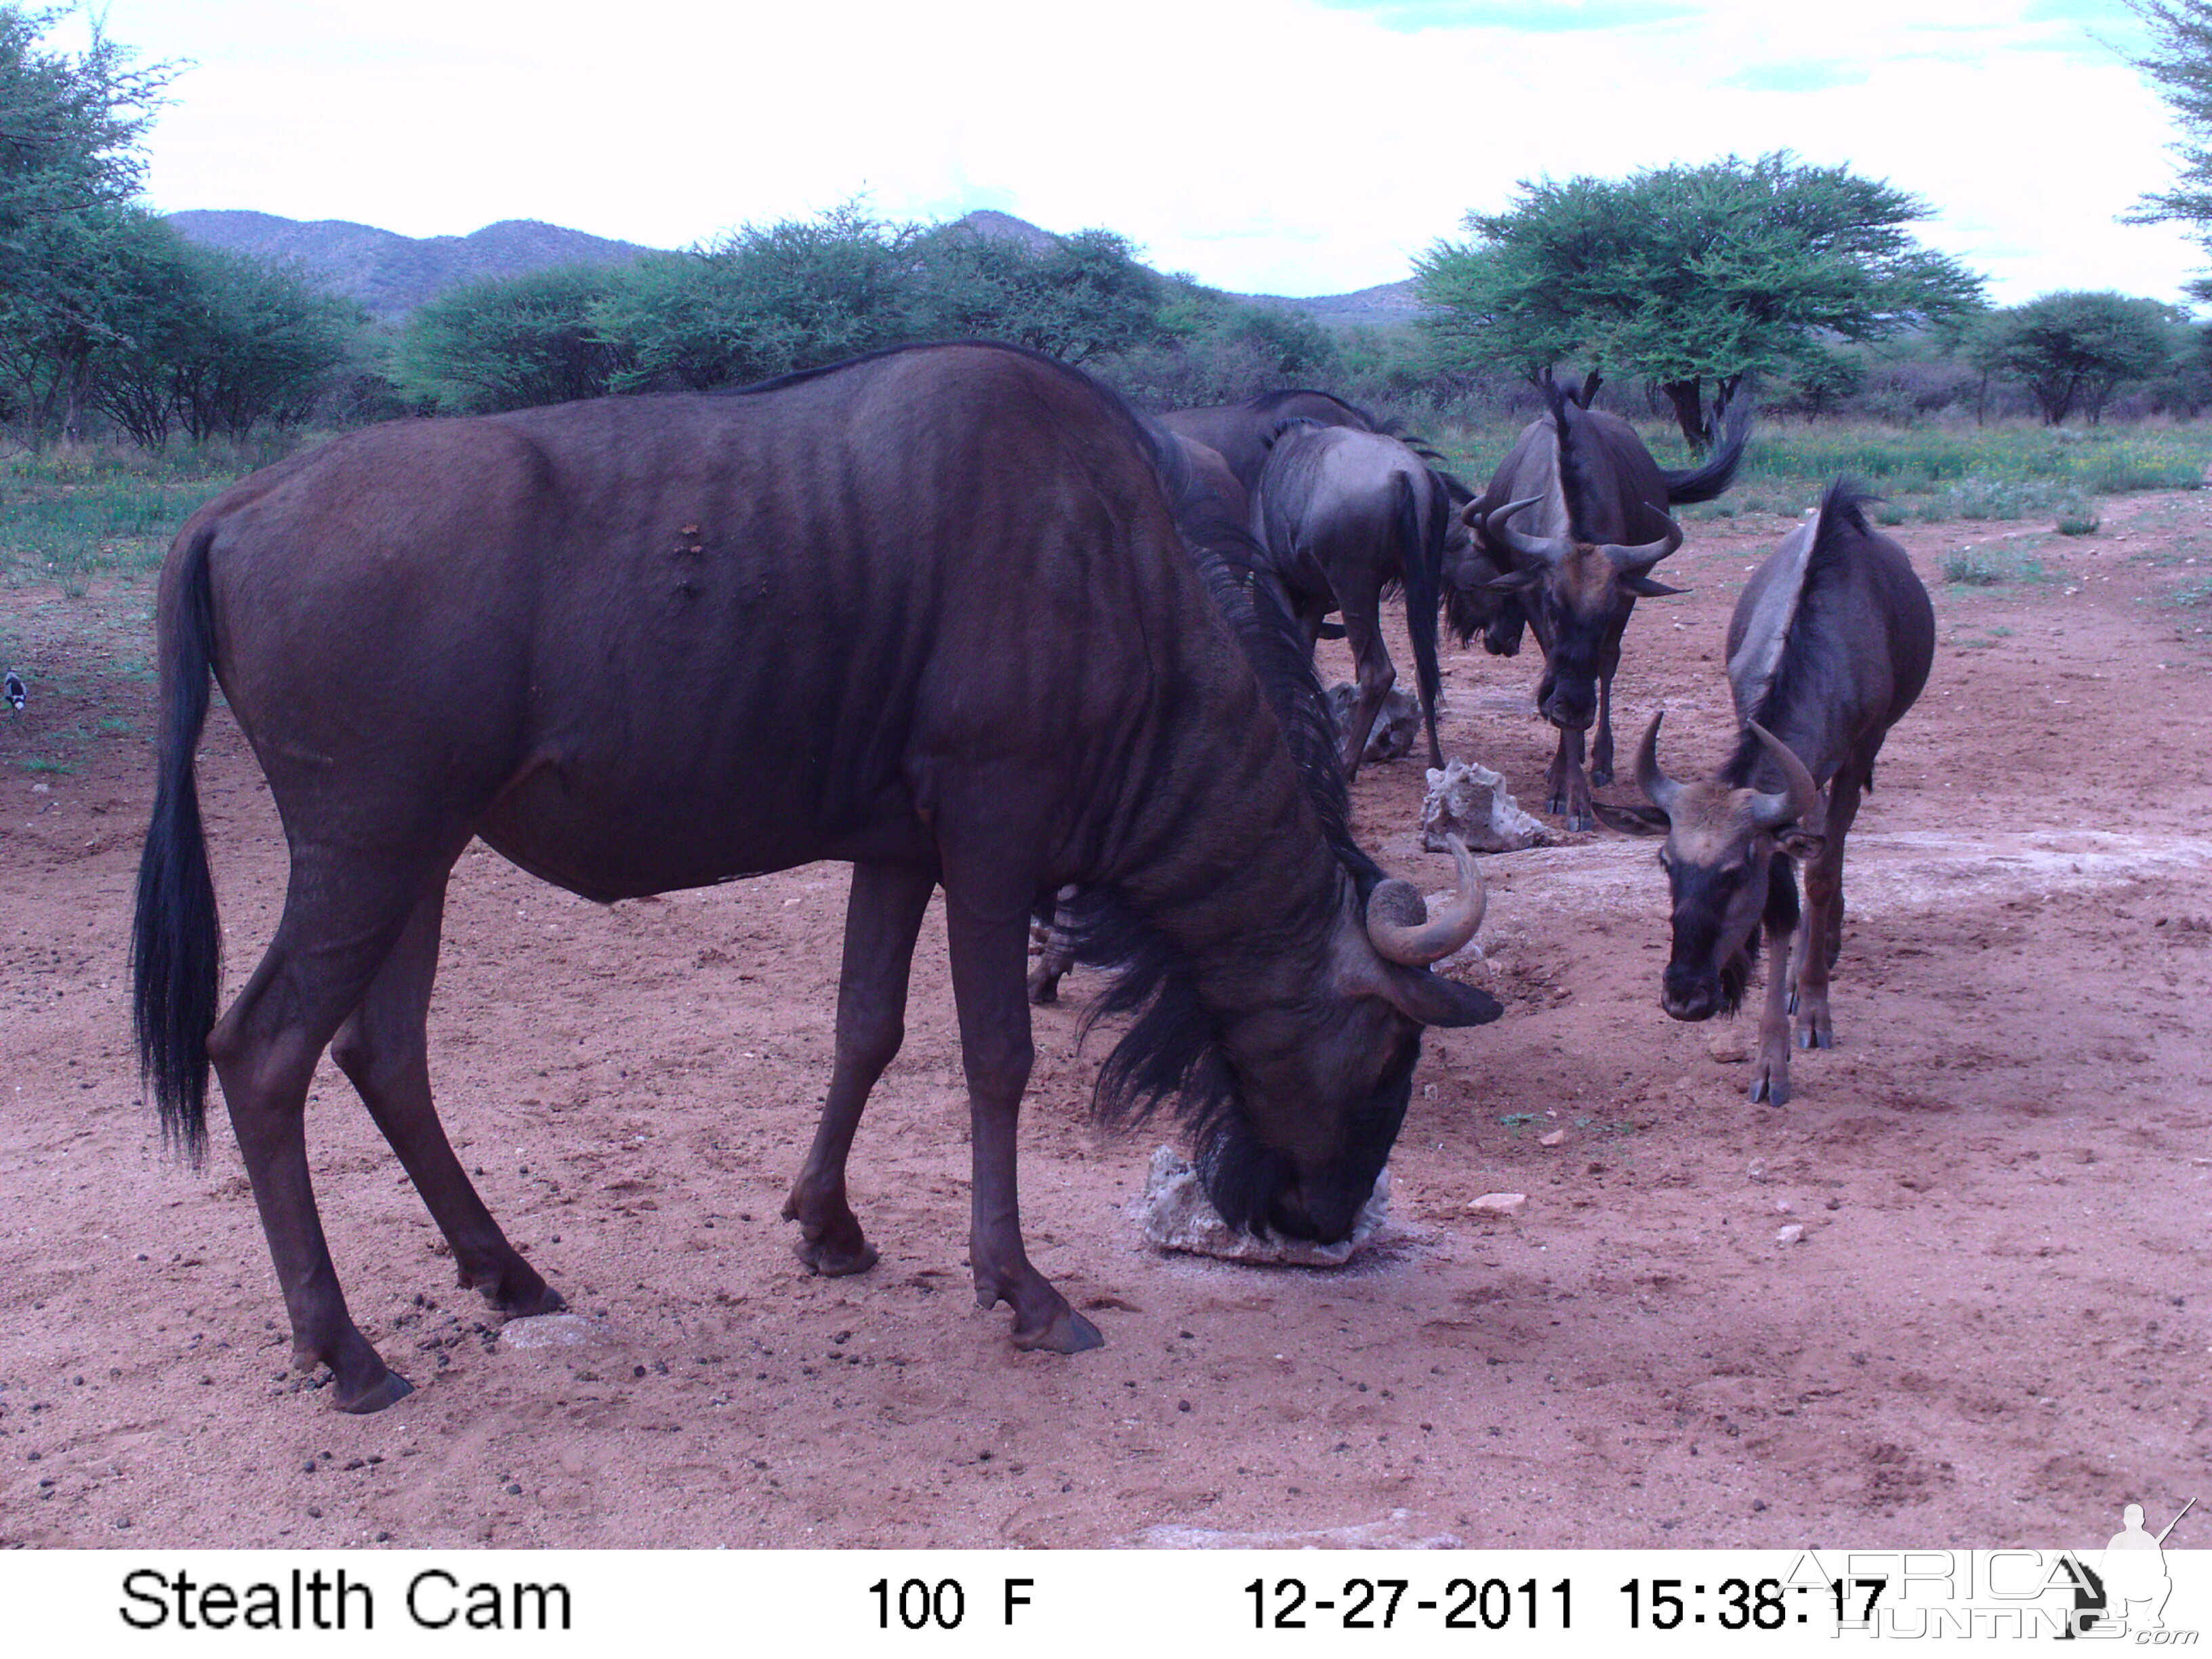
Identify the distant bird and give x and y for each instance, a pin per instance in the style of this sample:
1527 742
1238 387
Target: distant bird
16 692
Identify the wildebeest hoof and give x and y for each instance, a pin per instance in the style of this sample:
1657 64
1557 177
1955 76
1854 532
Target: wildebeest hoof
1599 777
1792 1008
1066 1332
834 1260
1582 821
1044 988
525 1300
388 1390
1766 1088
1815 1036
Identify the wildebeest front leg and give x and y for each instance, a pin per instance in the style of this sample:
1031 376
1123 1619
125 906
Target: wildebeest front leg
1769 1068
988 954
882 917
1362 632
1600 766
381 1049
1567 785
1821 940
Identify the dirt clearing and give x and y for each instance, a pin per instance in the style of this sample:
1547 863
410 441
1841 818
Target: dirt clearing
1994 1330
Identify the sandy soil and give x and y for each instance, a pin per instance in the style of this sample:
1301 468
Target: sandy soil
1995 1331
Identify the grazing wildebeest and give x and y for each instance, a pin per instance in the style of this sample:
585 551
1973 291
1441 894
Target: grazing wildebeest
1564 540
1829 646
1241 432
1343 515
928 612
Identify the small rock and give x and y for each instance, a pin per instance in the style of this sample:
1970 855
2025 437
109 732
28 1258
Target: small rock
560 1330
1470 801
1176 1214
1499 1205
1783 1207
1727 1048
1557 1138
1792 1233
42 789
1397 722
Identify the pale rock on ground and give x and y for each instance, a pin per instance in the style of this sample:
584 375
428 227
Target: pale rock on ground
1397 722
1469 800
1176 1214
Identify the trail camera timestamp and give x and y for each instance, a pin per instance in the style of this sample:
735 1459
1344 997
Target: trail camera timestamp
1464 1603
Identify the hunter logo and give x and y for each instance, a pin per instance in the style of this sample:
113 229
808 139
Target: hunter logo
2127 1594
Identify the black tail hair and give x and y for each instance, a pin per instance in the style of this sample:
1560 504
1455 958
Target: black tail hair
176 945
1424 579
1704 483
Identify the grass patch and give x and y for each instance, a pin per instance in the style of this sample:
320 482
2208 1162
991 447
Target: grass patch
1967 568
1931 473
43 763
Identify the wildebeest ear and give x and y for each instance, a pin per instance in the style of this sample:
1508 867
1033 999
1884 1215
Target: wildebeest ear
1802 843
1645 587
1435 1000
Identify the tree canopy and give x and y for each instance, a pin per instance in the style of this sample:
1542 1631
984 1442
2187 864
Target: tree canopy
2180 64
1689 276
2072 350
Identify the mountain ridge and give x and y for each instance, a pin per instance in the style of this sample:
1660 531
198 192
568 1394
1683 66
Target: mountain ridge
391 275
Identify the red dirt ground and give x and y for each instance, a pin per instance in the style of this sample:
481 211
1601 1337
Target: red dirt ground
1996 1331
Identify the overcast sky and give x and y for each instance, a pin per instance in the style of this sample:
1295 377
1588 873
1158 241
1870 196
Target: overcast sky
1269 146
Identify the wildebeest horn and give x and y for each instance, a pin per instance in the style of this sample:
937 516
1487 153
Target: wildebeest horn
1643 557
1794 805
1545 550
1653 782
1418 945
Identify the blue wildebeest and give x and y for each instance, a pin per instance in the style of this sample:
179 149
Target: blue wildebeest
1342 516
1563 539
1829 646
1242 432
929 612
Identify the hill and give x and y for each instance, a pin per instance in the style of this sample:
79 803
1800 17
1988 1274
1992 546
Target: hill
391 274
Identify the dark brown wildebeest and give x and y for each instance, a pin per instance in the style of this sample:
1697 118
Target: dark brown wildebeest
927 612
1563 539
1829 646
1241 432
1344 515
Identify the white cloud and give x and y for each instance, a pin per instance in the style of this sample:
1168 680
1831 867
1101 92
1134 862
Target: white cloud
1266 146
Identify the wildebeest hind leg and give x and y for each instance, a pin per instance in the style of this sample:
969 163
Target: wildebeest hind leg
342 916
1362 632
882 917
381 1049
988 954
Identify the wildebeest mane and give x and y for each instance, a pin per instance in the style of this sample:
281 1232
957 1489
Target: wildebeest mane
1575 486
1808 646
1171 1053
1265 402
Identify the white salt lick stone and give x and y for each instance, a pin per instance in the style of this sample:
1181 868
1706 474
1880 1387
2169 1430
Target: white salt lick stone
1176 1214
560 1330
1471 801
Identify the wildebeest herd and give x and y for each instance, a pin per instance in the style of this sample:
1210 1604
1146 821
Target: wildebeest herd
958 616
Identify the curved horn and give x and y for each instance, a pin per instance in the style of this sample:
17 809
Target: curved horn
1643 557
1417 945
1794 805
1655 783
1541 550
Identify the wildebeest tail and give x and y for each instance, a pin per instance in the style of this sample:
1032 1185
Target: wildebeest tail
176 948
1704 483
1425 577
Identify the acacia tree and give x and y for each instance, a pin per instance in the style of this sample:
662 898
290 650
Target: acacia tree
1692 278
512 343
2180 64
71 235
762 300
1078 298
2072 350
